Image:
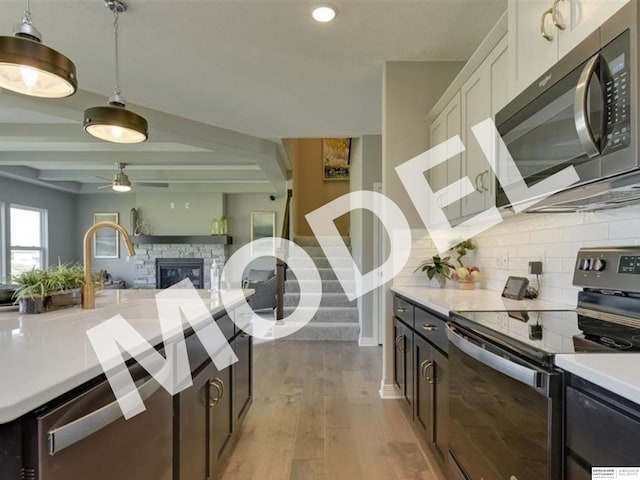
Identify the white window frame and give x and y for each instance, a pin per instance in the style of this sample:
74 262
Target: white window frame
44 236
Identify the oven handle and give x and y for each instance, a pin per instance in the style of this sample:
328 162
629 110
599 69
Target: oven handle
62 437
518 372
580 106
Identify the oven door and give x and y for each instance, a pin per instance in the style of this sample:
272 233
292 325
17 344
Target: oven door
576 121
505 414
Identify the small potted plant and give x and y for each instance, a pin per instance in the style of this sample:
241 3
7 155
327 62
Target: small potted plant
438 268
40 291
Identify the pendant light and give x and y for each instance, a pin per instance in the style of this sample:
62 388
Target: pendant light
31 68
113 122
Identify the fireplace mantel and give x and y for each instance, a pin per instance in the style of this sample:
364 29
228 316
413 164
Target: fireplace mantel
183 239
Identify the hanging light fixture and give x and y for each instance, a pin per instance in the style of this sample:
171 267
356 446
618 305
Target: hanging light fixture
113 122
31 68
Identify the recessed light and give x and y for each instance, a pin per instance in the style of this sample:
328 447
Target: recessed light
324 14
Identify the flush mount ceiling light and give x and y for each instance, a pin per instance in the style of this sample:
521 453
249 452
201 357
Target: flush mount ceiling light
324 13
31 68
113 122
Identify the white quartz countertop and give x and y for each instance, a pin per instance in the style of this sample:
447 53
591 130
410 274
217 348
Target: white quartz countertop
617 372
43 356
445 300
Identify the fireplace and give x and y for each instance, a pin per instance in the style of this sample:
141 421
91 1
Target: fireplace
170 271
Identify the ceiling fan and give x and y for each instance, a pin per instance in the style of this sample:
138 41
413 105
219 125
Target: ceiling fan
121 182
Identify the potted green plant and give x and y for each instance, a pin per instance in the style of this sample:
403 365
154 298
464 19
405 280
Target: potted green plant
438 268
40 291
466 278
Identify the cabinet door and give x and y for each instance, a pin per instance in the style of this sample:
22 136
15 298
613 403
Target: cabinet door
440 379
402 357
398 357
476 107
452 120
192 407
581 18
243 375
530 55
438 175
423 397
220 392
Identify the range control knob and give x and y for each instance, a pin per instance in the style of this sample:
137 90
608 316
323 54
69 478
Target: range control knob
599 264
584 264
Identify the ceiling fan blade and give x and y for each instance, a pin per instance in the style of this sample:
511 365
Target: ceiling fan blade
103 178
151 184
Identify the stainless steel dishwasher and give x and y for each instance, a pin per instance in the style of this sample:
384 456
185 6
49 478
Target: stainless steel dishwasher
86 437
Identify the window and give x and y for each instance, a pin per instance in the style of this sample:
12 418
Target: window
28 234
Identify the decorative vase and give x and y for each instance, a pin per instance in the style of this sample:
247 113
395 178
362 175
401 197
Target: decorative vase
438 281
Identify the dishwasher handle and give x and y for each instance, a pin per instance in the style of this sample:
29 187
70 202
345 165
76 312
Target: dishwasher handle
62 437
518 372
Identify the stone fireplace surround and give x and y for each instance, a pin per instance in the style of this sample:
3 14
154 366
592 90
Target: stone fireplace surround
146 255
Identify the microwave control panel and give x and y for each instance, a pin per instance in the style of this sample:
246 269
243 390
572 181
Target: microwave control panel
616 269
617 98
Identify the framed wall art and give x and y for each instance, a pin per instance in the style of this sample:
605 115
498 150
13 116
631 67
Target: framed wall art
335 158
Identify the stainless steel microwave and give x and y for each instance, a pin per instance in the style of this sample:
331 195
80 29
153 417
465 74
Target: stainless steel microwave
582 112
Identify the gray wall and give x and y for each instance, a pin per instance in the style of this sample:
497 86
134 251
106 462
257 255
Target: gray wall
63 241
195 219
121 203
366 169
409 92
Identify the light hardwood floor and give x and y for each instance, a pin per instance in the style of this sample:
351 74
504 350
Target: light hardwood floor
317 415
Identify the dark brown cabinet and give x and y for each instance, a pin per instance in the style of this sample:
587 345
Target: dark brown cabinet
431 399
243 375
602 429
209 413
403 361
421 371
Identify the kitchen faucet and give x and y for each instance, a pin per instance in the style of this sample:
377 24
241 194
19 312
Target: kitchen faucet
88 290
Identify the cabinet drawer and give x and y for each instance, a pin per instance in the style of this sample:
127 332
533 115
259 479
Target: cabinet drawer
432 328
601 434
403 310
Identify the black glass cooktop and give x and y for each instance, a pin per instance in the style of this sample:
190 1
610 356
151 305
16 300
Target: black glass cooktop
542 334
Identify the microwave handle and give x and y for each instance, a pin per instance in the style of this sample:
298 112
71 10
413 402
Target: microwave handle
580 107
503 365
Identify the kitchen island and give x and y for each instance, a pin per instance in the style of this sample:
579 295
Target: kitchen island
48 362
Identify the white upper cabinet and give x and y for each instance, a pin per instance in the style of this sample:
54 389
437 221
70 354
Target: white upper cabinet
543 31
445 126
530 55
481 97
581 17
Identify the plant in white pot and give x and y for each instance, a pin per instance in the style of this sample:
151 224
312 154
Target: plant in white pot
49 289
437 268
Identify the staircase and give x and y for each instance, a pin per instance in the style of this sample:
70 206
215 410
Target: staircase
337 317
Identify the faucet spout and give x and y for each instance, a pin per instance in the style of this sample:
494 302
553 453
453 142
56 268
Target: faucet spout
88 290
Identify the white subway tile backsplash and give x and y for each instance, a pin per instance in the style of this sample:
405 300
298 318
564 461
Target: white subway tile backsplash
552 238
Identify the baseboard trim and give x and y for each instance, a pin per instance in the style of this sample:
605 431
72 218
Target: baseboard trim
367 342
389 391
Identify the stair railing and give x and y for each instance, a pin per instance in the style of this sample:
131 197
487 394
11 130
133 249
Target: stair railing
281 264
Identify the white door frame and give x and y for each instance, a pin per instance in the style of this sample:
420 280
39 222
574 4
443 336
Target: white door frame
378 259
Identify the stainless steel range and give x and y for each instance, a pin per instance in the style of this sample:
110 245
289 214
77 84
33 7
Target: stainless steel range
506 393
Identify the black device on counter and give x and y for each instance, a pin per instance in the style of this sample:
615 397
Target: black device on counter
515 288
